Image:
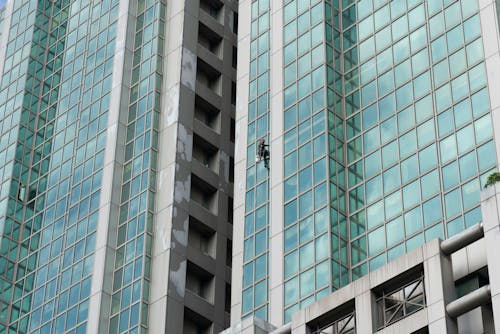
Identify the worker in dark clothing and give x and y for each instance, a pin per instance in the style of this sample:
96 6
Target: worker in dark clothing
263 152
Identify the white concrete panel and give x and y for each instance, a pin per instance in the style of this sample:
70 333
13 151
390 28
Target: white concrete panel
471 322
409 324
276 214
172 75
244 59
438 327
493 250
434 287
491 44
495 302
276 260
241 142
162 231
484 3
476 255
244 17
244 25
158 310
460 264
436 311
166 177
493 73
106 226
489 29
363 306
277 307
489 210
4 36
159 284
174 31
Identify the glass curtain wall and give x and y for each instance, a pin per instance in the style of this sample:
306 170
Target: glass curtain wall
132 269
419 126
390 100
256 234
56 135
309 113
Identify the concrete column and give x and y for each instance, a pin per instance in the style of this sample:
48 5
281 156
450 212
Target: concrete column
439 290
490 203
4 35
101 290
240 155
276 254
365 308
299 325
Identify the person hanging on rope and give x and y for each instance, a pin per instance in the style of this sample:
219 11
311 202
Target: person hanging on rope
263 152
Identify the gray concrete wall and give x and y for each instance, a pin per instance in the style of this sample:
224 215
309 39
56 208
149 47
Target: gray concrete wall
176 205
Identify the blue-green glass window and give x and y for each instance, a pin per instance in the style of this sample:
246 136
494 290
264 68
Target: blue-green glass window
427 158
430 184
376 240
413 221
395 231
306 282
306 255
450 175
452 203
291 291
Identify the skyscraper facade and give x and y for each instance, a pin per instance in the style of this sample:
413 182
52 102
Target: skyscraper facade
380 119
117 139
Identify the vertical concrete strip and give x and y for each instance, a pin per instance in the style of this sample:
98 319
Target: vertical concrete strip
365 307
162 271
490 205
439 289
100 298
240 155
491 43
4 37
276 252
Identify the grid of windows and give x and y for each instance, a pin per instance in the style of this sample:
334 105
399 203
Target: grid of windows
11 97
54 194
306 215
418 128
390 99
132 267
256 229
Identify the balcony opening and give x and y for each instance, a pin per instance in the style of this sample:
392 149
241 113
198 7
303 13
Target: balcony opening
210 40
195 323
400 297
204 194
201 237
209 77
472 282
200 282
339 320
207 114
206 153
214 8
